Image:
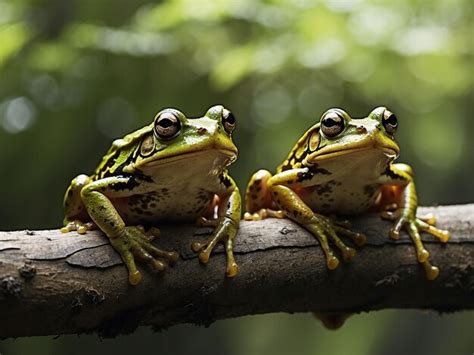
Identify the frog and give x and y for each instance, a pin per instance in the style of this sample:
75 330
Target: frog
173 170
344 166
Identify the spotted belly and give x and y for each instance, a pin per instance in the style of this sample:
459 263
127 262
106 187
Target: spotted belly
164 205
338 197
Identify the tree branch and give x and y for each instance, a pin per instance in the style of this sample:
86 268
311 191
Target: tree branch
51 283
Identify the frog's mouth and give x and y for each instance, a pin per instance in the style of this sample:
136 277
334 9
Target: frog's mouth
390 151
227 155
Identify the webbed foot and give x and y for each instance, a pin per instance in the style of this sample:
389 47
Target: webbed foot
133 244
323 227
225 232
413 226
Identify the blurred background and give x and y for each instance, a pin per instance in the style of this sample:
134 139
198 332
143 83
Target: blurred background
74 75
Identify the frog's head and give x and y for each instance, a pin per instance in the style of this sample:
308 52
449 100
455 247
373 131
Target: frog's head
339 136
175 138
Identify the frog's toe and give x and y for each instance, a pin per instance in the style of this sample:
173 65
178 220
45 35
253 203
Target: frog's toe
263 213
332 262
78 226
359 239
428 218
431 271
143 255
171 256
442 235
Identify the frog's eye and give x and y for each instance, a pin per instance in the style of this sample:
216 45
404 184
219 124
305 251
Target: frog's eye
228 120
332 124
167 125
390 122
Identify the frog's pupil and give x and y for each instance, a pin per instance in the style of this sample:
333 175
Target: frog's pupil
165 123
329 122
230 118
392 120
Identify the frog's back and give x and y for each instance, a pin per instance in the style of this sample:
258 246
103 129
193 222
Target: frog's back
120 154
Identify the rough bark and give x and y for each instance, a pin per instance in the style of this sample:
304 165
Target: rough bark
51 283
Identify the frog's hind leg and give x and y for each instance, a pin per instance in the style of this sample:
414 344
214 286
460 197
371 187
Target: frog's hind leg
76 216
258 199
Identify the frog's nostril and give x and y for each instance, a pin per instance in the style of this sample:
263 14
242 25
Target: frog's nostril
201 130
361 129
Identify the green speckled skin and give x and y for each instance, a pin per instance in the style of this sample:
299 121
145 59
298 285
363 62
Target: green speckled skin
343 165
146 178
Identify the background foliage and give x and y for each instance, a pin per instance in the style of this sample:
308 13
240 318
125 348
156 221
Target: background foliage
74 75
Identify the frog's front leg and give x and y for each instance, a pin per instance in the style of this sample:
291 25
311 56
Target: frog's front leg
399 195
130 241
320 226
226 226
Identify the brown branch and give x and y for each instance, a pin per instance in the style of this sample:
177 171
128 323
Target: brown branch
51 283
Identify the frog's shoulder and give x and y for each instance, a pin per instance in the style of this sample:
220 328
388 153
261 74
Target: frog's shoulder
120 151
307 144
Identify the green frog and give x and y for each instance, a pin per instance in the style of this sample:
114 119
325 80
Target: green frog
343 165
174 169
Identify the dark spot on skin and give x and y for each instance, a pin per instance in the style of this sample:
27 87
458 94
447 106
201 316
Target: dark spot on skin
66 204
254 196
258 189
324 189
129 185
274 193
27 271
315 169
101 208
289 182
112 224
28 232
69 193
307 175
224 179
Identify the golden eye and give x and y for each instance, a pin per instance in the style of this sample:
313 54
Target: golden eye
390 122
167 125
332 124
228 120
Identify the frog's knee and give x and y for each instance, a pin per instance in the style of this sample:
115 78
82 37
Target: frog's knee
257 195
80 181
